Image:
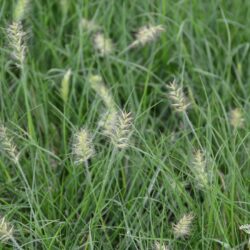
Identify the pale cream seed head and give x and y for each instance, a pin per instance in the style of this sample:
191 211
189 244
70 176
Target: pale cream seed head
64 91
21 9
236 118
159 246
6 231
199 166
89 25
245 228
7 146
103 45
176 95
82 148
122 130
17 37
147 34
97 84
183 227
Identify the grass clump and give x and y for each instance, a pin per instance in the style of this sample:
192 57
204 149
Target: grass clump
96 152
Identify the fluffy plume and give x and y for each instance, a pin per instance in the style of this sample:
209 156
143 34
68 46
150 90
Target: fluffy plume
245 228
97 84
179 102
7 146
103 45
21 9
65 86
159 246
199 165
16 37
109 122
121 131
89 25
147 34
82 147
236 118
6 231
182 228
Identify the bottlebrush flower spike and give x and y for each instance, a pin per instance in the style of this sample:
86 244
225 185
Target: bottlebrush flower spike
236 118
103 45
16 37
98 85
122 130
176 95
199 166
65 86
7 146
6 231
147 34
82 148
245 228
21 10
182 228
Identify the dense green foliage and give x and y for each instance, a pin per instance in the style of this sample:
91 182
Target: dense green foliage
136 194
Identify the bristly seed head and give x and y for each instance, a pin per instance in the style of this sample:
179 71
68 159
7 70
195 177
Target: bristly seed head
179 102
159 246
7 146
64 91
236 118
147 34
82 148
245 228
98 85
89 25
103 45
121 131
21 10
183 227
200 172
16 37
6 231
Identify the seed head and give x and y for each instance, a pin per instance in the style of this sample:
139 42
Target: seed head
7 146
182 228
82 147
65 86
236 118
16 37
199 165
179 102
109 122
21 9
103 45
98 85
89 25
6 231
122 130
245 228
147 34
159 246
